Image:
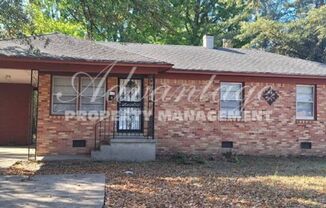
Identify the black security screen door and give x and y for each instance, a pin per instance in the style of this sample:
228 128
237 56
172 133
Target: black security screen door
130 105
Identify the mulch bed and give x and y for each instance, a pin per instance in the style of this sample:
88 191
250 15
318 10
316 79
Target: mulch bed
245 182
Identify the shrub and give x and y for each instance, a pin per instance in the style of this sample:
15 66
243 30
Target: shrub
185 159
231 157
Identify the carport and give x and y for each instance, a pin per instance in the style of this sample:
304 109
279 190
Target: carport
18 88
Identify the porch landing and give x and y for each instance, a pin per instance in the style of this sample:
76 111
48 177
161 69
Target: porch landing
126 149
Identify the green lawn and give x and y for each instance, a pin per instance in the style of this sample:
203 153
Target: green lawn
247 182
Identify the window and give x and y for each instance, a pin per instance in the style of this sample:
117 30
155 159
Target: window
64 95
231 100
92 94
305 102
68 96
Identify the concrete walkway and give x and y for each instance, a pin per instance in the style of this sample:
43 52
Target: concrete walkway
10 155
52 191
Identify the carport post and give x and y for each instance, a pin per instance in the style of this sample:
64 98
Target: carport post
33 108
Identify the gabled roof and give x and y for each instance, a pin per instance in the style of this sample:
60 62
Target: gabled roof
62 47
198 58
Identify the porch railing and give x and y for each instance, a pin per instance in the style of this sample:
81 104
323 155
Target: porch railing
102 132
106 130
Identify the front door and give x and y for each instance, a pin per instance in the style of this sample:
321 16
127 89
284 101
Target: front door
130 105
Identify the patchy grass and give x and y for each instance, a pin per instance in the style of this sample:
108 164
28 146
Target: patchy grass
248 182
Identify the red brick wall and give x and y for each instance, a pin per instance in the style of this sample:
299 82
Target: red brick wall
280 135
55 135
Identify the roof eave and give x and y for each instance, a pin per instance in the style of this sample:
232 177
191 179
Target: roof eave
86 62
245 74
72 66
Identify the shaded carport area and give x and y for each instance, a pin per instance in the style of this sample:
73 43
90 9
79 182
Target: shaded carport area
16 115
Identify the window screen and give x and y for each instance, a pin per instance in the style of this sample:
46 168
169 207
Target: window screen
231 100
92 94
64 95
305 102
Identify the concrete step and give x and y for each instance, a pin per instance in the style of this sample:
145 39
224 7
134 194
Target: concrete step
129 137
127 149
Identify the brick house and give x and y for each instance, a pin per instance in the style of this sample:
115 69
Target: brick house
134 101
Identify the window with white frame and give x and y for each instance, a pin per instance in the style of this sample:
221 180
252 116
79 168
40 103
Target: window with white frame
64 94
81 93
305 102
231 99
92 94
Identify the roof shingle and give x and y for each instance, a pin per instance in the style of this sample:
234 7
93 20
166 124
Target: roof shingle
198 58
192 58
61 47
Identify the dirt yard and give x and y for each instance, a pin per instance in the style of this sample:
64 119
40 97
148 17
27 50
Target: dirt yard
184 182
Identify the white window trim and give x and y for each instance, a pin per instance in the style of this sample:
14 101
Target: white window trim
104 98
52 93
313 117
78 103
241 110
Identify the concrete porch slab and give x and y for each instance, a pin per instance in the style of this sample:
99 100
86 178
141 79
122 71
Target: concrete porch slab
52 191
129 150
